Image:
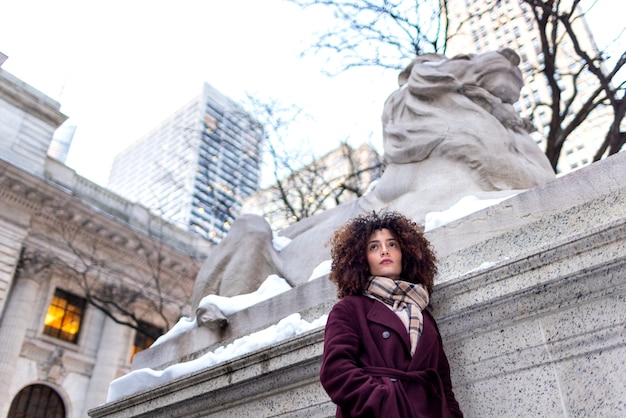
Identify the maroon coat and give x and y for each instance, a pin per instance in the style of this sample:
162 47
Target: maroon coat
368 371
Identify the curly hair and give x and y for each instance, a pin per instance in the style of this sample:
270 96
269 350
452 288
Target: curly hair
350 269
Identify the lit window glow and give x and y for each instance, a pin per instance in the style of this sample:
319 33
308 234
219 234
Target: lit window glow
64 316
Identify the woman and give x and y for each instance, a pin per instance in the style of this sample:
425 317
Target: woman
383 355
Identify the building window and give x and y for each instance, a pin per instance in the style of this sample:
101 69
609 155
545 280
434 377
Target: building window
37 401
64 316
143 341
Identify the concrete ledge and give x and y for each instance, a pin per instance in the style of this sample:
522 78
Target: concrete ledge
239 387
544 279
598 182
552 345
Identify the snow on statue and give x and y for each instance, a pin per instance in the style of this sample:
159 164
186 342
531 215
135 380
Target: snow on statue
449 131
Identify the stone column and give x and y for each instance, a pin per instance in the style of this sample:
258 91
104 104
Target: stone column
113 345
16 320
11 238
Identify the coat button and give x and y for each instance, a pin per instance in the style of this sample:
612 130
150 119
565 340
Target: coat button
386 334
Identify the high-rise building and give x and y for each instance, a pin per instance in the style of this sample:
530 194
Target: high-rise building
487 25
196 167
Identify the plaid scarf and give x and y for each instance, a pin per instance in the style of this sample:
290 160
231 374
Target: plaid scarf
403 297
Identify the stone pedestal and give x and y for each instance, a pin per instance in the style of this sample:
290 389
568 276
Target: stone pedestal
530 301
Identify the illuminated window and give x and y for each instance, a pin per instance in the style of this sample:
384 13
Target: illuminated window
210 124
37 401
64 316
143 341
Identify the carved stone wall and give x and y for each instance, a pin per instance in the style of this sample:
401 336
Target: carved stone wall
35 215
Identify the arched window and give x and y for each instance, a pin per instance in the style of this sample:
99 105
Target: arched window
37 401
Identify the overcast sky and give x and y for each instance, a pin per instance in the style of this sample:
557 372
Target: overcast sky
118 68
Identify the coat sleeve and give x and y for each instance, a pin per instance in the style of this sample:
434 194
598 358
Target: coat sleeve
348 386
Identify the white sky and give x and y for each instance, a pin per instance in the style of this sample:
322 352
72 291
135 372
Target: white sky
119 68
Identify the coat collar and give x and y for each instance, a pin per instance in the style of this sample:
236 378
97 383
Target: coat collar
381 314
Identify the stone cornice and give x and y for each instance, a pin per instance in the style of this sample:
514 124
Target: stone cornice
31 101
534 283
54 205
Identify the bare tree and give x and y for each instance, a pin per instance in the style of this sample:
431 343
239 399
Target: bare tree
388 33
303 184
339 176
133 279
382 33
559 23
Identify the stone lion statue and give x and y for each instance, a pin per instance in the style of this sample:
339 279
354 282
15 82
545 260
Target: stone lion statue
449 131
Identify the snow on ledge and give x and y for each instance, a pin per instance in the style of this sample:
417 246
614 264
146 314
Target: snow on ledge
321 270
464 207
144 379
272 286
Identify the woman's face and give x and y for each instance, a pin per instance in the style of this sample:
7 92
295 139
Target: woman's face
384 256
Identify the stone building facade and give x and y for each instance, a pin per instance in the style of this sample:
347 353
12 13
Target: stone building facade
63 242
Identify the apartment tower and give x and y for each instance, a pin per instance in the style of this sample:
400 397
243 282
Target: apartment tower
196 167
